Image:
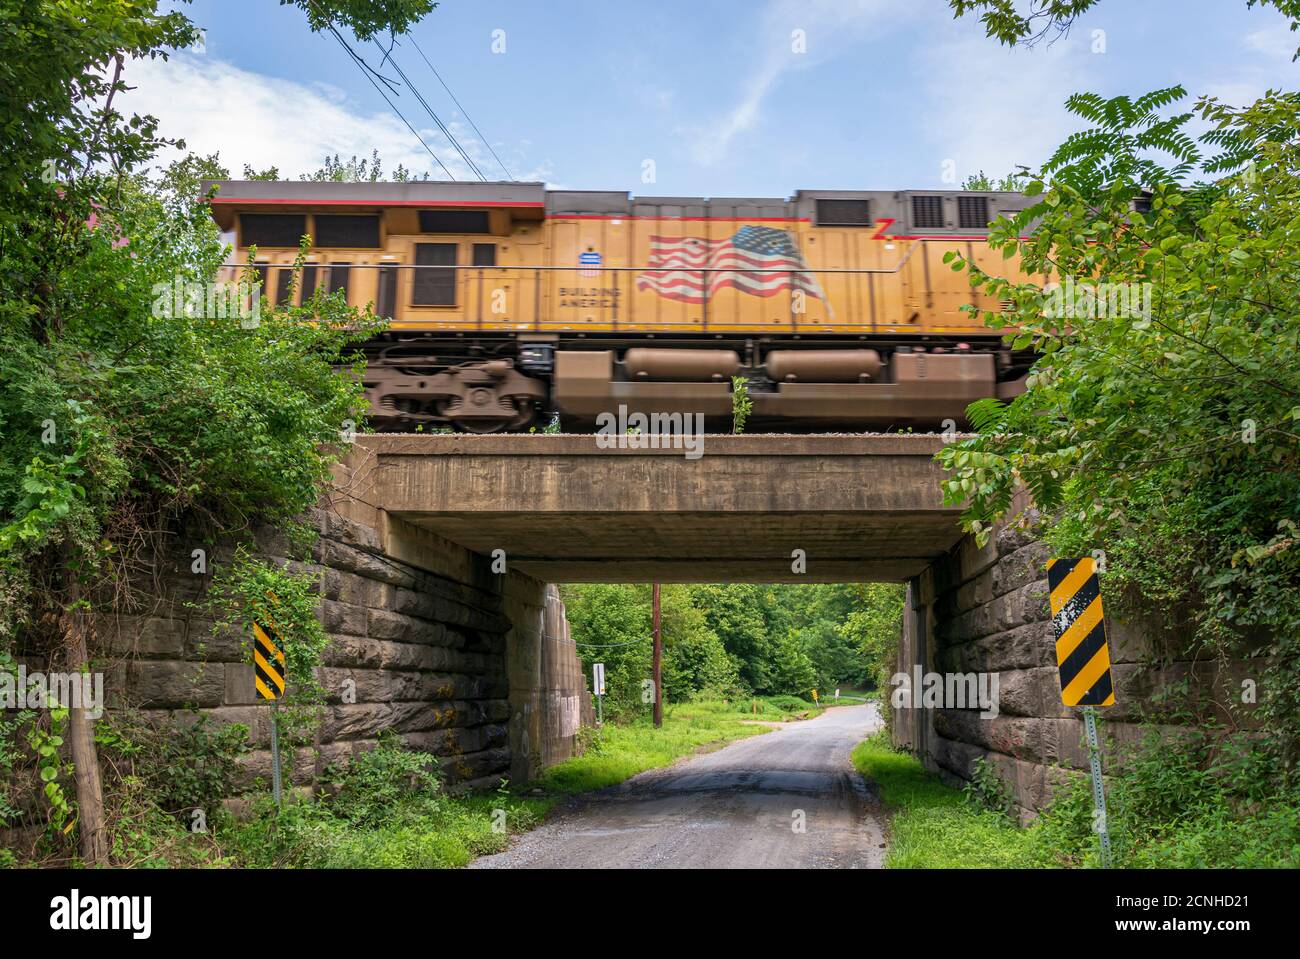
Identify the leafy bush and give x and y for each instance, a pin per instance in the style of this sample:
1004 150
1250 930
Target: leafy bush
380 781
986 790
1165 433
192 765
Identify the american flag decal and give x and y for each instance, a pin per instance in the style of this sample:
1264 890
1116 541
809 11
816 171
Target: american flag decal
757 260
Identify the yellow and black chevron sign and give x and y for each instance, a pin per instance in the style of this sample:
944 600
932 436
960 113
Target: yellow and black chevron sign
1081 650
268 661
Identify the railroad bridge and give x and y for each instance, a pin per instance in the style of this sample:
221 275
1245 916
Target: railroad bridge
439 553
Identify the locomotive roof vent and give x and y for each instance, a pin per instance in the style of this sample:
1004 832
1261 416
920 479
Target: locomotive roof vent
844 213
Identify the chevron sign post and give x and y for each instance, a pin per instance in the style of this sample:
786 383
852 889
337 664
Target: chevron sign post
1083 658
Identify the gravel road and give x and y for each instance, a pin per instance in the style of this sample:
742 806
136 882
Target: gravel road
737 807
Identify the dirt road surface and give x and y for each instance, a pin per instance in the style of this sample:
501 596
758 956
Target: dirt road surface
741 806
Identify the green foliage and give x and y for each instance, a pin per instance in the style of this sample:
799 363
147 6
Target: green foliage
387 812
358 171
1169 436
249 589
1169 805
365 18
698 662
1011 22
981 182
187 762
739 637
124 410
12 722
791 670
741 404
932 826
45 743
376 782
985 790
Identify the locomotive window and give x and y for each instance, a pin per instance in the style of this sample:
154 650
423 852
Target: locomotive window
350 231
844 213
973 212
339 278
454 221
485 254
308 282
927 212
282 295
434 287
271 229
387 299
263 276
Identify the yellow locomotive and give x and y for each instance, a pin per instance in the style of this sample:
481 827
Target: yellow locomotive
509 301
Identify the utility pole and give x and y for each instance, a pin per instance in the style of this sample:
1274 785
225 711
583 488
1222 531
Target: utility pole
658 663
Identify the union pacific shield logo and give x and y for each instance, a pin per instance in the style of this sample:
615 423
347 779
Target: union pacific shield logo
1081 650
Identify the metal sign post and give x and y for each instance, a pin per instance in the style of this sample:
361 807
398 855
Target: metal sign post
275 753
1098 790
1083 658
268 680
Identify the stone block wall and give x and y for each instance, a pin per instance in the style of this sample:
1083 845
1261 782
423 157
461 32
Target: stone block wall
473 667
985 610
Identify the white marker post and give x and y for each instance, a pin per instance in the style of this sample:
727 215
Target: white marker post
598 687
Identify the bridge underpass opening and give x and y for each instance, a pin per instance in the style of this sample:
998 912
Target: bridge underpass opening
555 509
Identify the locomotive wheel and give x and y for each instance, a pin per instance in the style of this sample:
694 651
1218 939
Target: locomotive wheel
478 426
523 417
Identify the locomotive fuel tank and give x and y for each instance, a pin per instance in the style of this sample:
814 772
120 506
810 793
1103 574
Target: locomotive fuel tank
691 366
823 366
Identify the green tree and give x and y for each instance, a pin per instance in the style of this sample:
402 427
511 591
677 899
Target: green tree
745 618
874 627
1162 422
1012 22
611 624
359 170
792 670
119 416
983 183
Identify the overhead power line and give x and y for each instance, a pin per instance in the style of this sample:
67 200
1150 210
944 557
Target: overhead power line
367 71
484 140
469 161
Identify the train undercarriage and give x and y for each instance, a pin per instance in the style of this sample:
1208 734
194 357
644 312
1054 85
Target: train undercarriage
480 383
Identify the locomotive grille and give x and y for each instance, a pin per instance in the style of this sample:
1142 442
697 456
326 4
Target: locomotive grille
927 212
271 229
973 212
333 230
844 213
454 221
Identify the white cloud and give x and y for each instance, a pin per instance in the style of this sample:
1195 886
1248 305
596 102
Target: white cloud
216 107
994 109
1275 42
827 28
1269 66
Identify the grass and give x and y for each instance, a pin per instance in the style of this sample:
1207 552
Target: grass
442 832
391 813
418 827
618 752
1161 814
934 826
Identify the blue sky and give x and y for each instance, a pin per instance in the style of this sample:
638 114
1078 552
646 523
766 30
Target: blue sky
888 94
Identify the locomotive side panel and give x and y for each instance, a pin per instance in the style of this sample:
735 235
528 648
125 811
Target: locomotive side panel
508 301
